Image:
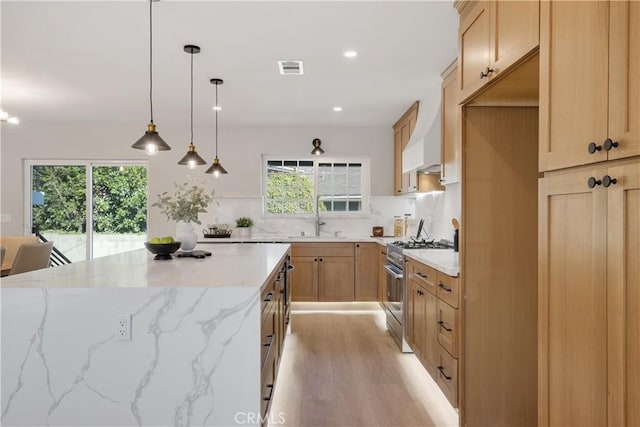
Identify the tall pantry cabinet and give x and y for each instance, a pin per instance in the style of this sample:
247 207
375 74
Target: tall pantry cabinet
589 214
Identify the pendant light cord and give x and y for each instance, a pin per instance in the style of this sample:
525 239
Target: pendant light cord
192 96
216 121
151 58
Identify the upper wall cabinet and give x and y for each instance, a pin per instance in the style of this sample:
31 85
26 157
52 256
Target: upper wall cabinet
590 84
493 35
402 130
450 151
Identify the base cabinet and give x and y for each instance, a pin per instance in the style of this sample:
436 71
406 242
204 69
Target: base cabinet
304 279
335 278
366 275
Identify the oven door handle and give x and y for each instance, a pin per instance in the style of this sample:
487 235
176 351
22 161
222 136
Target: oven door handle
393 273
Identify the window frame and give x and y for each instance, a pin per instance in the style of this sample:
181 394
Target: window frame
365 179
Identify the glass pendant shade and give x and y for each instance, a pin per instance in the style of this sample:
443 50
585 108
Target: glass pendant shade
317 150
192 158
151 142
216 168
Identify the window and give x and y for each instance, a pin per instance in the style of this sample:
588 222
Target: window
297 186
88 209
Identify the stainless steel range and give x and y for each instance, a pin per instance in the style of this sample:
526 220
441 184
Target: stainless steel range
395 301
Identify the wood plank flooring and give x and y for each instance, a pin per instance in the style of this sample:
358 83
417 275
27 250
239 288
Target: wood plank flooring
342 368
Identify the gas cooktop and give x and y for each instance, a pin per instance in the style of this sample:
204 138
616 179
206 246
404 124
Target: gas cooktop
424 244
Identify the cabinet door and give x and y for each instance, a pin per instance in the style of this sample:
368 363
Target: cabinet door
574 71
366 280
431 332
515 31
405 134
450 148
412 298
624 78
572 300
419 321
473 45
382 275
397 162
623 294
336 279
304 279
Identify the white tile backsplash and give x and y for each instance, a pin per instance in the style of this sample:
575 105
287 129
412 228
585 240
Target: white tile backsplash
437 209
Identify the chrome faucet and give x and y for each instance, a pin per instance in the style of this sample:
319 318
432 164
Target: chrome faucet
318 222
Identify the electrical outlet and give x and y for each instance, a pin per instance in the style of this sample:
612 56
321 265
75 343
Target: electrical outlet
123 330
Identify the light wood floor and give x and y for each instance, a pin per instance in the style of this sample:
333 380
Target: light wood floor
342 368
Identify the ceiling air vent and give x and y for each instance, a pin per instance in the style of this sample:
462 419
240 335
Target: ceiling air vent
291 68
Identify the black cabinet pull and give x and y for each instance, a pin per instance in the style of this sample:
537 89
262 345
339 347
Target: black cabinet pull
442 325
315 260
268 297
607 181
609 144
592 182
593 148
357 245
270 336
443 287
320 259
486 73
424 276
270 387
441 369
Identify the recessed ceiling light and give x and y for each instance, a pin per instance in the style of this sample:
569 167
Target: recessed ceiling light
351 54
217 108
337 108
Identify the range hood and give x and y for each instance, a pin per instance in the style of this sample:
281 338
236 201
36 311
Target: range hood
422 152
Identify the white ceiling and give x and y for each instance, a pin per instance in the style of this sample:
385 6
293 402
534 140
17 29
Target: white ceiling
87 61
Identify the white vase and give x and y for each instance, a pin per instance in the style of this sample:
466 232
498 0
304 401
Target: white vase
186 235
243 231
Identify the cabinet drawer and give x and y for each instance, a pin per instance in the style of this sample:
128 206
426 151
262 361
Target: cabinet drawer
267 295
448 289
447 376
267 337
322 249
268 381
448 327
423 275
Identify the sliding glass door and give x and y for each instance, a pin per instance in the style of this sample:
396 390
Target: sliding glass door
88 209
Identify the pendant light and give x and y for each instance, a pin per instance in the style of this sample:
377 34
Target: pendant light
216 168
151 142
317 150
192 158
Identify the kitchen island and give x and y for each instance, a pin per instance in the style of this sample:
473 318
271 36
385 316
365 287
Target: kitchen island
126 340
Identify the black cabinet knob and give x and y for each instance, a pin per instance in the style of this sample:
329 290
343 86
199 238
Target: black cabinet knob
609 144
607 180
592 182
593 148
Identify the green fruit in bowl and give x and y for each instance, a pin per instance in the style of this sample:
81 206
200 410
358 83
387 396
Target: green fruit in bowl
155 240
167 239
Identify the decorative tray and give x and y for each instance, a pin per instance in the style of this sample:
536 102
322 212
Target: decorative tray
217 236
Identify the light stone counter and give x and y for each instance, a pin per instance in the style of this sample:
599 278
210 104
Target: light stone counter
447 261
298 239
194 354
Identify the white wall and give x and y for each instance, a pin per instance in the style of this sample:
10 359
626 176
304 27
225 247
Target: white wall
239 149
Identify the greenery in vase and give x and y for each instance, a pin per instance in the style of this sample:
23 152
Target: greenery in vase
185 204
244 222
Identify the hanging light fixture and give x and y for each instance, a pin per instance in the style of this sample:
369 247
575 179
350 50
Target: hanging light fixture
317 150
192 158
216 168
151 142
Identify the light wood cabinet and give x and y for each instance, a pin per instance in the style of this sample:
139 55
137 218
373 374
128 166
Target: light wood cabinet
493 36
450 147
304 279
402 131
382 275
335 278
367 272
590 82
588 321
324 272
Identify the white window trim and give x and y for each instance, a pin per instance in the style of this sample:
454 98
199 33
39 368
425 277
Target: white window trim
27 164
366 184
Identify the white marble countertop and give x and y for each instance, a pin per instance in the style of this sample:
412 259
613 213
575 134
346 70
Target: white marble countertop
444 260
229 266
298 239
